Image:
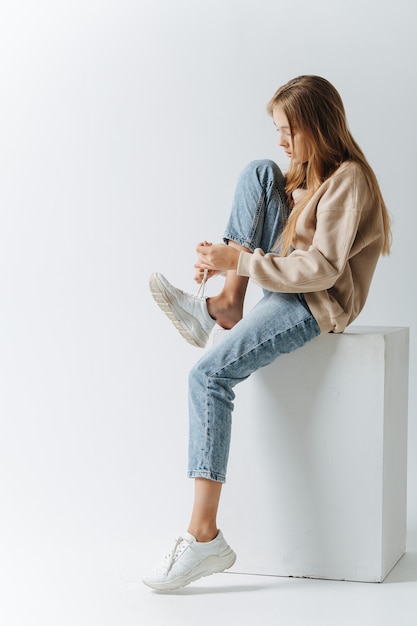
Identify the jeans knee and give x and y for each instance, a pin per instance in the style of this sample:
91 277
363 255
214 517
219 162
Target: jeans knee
260 166
197 374
263 170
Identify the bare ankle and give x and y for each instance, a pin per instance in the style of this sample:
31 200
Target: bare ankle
227 313
204 535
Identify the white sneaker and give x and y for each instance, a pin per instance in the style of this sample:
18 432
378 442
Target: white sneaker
189 561
188 313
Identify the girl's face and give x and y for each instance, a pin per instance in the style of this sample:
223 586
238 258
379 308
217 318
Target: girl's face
296 146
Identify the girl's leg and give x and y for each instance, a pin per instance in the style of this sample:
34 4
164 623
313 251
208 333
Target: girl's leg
227 307
278 324
260 207
259 212
203 523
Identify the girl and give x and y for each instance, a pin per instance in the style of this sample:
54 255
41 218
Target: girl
311 239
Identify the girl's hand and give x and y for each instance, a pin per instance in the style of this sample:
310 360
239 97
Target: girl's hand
216 257
199 273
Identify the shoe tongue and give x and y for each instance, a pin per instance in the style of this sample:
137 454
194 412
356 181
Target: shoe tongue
189 537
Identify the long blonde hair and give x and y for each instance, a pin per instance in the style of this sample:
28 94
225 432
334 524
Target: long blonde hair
313 105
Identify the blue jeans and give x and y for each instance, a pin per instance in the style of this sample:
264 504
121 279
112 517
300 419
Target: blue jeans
278 324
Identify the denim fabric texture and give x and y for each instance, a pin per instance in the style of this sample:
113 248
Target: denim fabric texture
278 324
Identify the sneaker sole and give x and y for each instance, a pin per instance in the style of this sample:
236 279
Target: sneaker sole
210 565
165 305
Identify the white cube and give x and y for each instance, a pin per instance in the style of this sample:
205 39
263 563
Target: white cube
318 464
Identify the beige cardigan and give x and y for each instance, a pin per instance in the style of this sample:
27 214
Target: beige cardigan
338 241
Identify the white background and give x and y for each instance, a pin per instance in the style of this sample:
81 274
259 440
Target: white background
123 128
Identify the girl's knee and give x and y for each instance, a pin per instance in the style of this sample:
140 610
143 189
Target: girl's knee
261 169
197 373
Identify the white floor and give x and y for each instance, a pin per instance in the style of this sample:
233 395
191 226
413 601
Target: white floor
264 600
64 584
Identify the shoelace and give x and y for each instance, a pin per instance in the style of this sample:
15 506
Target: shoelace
180 545
202 288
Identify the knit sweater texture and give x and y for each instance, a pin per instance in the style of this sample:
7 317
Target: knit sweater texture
338 240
